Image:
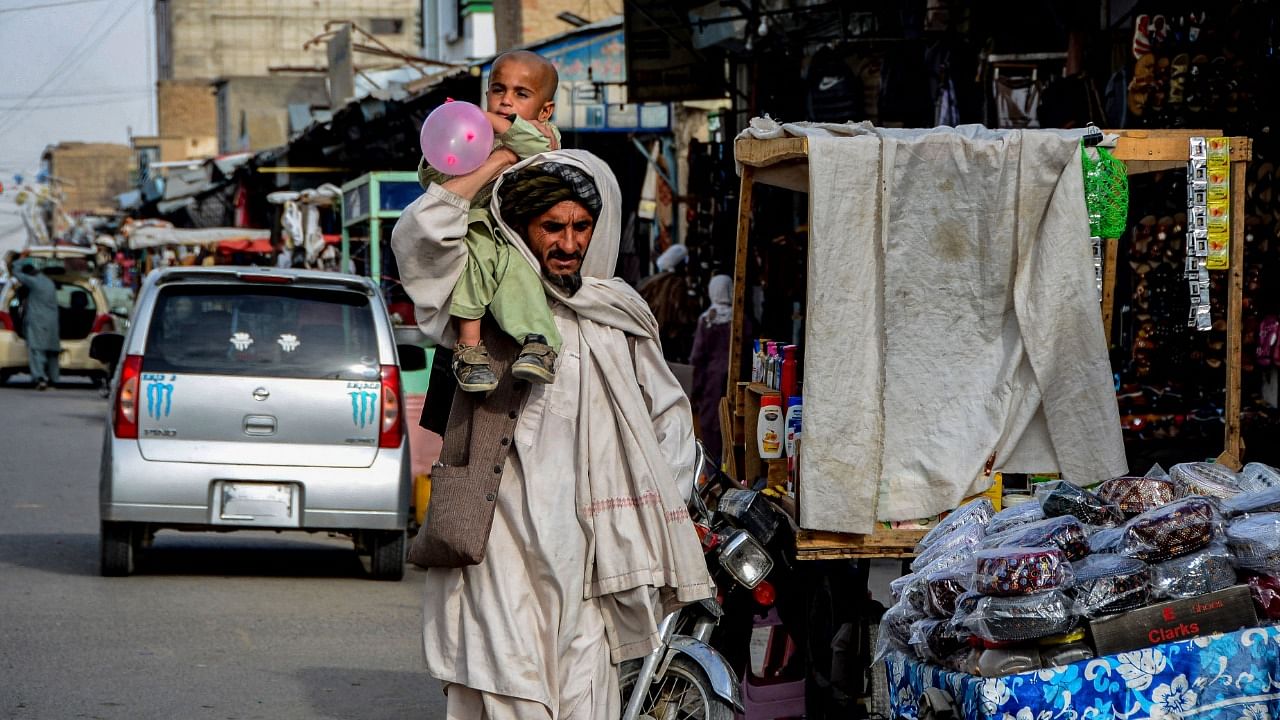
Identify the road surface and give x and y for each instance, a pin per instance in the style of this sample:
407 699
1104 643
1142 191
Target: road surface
233 626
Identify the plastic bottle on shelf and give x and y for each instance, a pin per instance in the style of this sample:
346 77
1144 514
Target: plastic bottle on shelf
771 355
792 422
770 427
787 383
757 361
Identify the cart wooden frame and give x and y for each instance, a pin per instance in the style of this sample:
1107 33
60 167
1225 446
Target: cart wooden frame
1142 151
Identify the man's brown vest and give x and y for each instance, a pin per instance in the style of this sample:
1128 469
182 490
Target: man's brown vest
464 482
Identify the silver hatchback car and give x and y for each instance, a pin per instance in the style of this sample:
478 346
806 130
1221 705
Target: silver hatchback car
256 398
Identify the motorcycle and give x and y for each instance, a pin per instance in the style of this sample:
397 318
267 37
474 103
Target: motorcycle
685 677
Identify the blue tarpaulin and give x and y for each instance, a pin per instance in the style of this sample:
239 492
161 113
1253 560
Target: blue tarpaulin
1232 675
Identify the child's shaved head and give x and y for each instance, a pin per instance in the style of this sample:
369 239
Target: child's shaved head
524 83
545 69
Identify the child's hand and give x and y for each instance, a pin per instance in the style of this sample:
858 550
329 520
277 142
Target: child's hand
545 129
499 122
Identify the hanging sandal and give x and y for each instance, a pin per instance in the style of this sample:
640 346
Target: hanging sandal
471 368
536 362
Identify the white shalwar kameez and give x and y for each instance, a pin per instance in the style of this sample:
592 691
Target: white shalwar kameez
517 624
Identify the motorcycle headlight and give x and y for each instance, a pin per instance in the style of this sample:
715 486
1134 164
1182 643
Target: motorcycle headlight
745 559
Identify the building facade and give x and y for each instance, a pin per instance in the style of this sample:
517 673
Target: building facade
458 31
88 176
211 39
253 112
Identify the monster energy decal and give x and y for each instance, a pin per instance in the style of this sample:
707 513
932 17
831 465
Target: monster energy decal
159 396
364 405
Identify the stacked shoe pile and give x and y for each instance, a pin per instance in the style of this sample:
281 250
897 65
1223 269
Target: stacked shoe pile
993 593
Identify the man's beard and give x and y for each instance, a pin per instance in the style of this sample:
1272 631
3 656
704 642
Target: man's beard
569 283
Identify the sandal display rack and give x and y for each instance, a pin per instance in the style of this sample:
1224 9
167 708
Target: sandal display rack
1142 151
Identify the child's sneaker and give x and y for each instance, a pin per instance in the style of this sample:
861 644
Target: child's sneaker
537 361
471 368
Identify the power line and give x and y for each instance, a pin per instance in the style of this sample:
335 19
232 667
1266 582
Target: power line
80 93
75 103
43 6
69 65
6 122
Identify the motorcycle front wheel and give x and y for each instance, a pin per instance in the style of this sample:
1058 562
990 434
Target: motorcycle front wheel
684 693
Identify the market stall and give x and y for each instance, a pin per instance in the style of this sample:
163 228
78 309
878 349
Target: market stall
784 162
1177 670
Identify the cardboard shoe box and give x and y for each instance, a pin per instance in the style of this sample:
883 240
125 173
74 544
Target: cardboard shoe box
1223 611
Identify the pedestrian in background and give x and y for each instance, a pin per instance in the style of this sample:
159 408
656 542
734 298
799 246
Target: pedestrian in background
40 324
710 360
672 302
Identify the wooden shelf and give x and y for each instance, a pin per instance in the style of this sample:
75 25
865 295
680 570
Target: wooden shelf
882 543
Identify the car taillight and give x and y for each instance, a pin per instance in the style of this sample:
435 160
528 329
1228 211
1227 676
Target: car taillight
103 323
126 425
6 322
392 417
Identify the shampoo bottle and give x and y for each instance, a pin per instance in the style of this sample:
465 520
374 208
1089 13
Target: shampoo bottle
795 406
769 427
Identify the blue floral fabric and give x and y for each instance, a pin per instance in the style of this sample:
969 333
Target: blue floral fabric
1231 676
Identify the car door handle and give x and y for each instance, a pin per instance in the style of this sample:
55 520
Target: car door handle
259 425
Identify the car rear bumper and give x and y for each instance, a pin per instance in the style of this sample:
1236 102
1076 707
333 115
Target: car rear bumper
133 489
73 360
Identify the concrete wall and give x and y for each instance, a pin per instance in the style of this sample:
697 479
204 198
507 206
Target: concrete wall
209 39
89 175
253 112
188 119
520 22
186 108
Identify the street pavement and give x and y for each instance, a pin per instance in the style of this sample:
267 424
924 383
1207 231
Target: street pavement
232 626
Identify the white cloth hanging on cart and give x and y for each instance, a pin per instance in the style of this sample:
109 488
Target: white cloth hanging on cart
952 318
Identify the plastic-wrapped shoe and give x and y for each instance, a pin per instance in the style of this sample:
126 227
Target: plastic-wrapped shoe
471 368
536 362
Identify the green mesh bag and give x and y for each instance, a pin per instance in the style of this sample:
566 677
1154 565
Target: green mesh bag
1106 193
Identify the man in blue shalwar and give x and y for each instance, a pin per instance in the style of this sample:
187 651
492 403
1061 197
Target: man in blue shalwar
40 324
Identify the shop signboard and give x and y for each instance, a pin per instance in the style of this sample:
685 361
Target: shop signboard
1223 611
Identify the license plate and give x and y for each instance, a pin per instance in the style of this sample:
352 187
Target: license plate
273 504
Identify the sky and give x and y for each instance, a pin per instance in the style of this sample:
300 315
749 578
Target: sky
70 70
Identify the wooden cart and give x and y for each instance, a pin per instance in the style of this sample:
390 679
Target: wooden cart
1141 150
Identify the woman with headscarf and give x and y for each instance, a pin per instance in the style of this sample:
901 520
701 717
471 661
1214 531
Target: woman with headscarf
710 360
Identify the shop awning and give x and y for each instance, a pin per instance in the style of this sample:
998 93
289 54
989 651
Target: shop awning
148 237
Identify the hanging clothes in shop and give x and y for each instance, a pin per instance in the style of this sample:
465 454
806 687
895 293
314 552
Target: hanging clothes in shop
953 323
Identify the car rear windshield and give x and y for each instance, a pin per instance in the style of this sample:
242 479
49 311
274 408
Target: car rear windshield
76 310
262 331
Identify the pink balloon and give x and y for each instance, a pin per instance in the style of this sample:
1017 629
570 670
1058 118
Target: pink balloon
456 138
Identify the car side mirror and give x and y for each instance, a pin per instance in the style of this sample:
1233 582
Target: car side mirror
106 347
412 358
